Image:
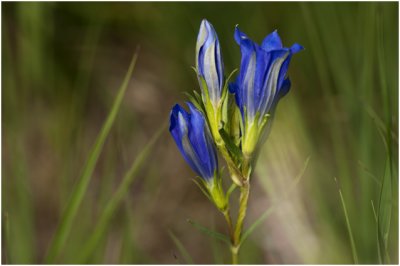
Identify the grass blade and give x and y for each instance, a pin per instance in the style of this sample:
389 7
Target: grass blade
116 199
185 254
259 221
385 197
209 232
265 215
298 177
353 245
217 252
64 227
385 214
377 232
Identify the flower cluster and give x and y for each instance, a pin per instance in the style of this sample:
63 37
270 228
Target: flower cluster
232 118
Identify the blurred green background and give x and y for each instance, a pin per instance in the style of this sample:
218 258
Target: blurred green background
62 65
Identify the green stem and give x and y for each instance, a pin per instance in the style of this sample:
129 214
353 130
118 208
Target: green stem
229 222
235 258
234 172
234 250
244 197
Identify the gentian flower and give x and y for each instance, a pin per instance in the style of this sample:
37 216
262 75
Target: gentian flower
209 65
261 82
193 138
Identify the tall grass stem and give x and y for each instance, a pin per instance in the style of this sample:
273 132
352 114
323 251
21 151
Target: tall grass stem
117 198
77 196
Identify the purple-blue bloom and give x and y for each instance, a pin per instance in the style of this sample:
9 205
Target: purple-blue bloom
193 138
262 79
209 63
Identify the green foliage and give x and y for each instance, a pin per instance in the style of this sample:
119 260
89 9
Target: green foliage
81 187
185 254
209 232
350 232
116 199
60 61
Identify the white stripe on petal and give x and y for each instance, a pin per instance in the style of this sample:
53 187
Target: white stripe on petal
271 84
188 148
201 38
211 74
248 84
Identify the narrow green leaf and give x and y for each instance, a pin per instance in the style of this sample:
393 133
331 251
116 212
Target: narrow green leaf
232 148
377 232
385 213
257 222
116 199
234 120
193 100
230 191
203 189
217 251
194 69
265 215
225 88
350 232
299 176
385 198
374 212
209 232
75 201
379 123
369 173
185 254
197 96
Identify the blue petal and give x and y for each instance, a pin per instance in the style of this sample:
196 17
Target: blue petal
234 89
220 64
179 127
270 89
199 137
247 72
264 91
286 84
201 39
239 36
296 48
209 61
193 138
262 79
284 89
292 50
264 61
272 42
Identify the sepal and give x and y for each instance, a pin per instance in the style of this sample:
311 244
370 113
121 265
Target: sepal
216 192
201 184
252 134
234 150
213 190
226 87
231 119
194 100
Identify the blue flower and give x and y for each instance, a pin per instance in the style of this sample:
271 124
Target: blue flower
209 63
261 82
262 79
193 138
